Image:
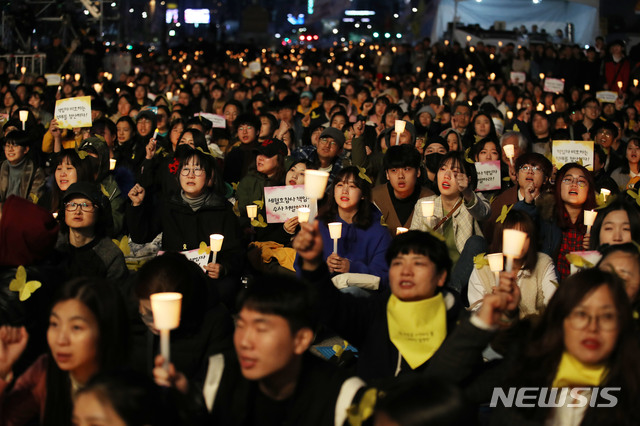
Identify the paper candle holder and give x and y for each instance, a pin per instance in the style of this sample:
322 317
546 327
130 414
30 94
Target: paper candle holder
215 241
399 128
509 151
24 115
496 262
166 309
315 183
335 230
512 243
401 230
589 219
605 193
252 211
112 163
428 207
303 214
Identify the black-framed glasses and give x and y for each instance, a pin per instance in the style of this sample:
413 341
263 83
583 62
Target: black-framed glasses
579 320
85 207
197 171
533 169
570 181
325 141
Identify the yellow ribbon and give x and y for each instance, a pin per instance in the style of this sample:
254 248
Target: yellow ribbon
357 414
503 213
578 261
123 245
417 329
480 261
363 174
203 248
259 203
572 373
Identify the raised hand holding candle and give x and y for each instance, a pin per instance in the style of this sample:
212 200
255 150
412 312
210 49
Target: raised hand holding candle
401 230
166 309
252 211
509 151
399 128
496 264
512 243
23 117
315 182
589 218
303 214
215 241
335 231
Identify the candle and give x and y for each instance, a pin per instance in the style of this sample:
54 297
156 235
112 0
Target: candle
512 243
589 218
428 207
620 85
430 75
303 214
55 215
541 75
23 70
169 96
509 151
335 231
215 241
252 211
605 193
468 38
496 264
77 76
415 92
315 182
440 93
23 117
587 87
307 80
509 115
635 82
166 309
399 127
401 230
112 163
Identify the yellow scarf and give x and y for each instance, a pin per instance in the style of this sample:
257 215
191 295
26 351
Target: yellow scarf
417 329
572 373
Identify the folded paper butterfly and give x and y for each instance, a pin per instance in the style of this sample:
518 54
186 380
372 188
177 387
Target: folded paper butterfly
21 285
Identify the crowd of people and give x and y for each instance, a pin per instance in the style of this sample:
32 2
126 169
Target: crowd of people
95 220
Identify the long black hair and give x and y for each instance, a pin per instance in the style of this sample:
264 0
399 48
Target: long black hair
362 218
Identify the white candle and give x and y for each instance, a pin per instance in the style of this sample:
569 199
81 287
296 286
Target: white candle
401 230
509 151
303 214
215 241
252 211
496 264
587 87
166 309
512 243
428 208
335 231
440 93
415 92
169 96
307 80
399 128
589 218
605 193
23 117
112 163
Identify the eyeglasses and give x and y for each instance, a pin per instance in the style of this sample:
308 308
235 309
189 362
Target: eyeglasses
579 320
245 128
532 169
570 181
325 141
85 207
197 172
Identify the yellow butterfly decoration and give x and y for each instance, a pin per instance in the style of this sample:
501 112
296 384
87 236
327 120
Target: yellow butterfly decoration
104 191
259 223
363 174
234 185
34 198
383 222
466 155
506 178
516 128
578 261
480 261
314 115
358 414
82 154
603 201
204 248
21 285
504 212
259 203
633 194
123 245
339 350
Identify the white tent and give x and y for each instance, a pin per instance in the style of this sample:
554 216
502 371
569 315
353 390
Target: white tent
548 14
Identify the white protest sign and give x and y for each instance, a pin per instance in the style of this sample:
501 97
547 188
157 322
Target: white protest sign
200 255
218 121
282 202
606 96
581 152
73 112
489 178
554 85
53 79
518 77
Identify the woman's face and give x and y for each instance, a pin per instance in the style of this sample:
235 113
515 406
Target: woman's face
230 113
176 131
193 178
379 108
123 132
84 216
540 125
295 175
592 345
65 174
390 120
140 93
482 126
425 119
574 188
453 142
347 195
633 152
265 127
187 138
124 107
8 100
488 153
73 336
616 228
338 122
447 179
267 165
626 267
90 410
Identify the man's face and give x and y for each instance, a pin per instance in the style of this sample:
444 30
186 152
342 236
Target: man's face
403 179
462 116
328 148
144 126
265 345
591 110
